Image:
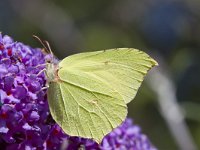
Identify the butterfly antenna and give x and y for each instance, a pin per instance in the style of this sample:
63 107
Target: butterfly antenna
46 49
49 47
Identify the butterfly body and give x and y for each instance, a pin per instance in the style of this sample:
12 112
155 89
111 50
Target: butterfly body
52 72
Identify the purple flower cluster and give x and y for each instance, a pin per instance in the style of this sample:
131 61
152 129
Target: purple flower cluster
25 121
126 137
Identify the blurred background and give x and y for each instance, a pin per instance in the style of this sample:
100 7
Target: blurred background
167 106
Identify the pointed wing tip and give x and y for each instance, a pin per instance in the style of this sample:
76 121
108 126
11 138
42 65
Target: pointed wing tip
155 63
98 141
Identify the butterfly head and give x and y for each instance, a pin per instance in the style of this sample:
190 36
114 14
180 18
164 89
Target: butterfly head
51 67
51 61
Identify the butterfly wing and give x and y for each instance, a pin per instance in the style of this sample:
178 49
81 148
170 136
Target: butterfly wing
89 99
122 70
85 113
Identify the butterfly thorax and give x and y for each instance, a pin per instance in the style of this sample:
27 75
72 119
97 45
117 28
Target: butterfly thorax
52 72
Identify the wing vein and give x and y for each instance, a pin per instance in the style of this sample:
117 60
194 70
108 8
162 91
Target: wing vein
65 110
78 109
81 87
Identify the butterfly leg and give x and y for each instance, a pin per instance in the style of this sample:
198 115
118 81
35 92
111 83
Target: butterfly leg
40 65
41 71
45 87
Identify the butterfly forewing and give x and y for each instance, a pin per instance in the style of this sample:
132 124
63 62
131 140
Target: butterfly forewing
122 70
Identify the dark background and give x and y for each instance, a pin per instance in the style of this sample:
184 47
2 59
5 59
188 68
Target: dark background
169 30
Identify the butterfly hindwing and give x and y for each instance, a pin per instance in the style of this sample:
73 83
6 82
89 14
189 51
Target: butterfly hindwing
84 113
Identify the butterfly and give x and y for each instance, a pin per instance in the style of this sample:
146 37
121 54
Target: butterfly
88 92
